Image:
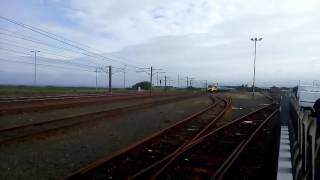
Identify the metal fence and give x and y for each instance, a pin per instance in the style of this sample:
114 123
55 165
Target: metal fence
304 142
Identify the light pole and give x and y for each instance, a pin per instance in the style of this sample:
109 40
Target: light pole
35 67
254 64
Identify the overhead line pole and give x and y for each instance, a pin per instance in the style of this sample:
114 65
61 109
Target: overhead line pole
110 78
157 79
190 82
35 67
96 78
124 77
150 81
165 82
187 82
206 89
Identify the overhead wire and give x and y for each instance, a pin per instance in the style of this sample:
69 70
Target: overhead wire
44 33
22 45
69 45
42 50
39 42
39 58
31 39
45 65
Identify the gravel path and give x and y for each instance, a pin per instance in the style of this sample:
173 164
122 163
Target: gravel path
66 151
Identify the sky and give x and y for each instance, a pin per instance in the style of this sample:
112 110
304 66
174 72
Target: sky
200 39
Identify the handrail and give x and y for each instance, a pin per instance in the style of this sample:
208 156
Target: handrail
305 143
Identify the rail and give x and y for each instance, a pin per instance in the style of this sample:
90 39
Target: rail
155 149
18 132
30 106
201 160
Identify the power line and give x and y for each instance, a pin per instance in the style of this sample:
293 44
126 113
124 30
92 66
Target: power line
27 38
45 53
51 53
51 60
31 39
30 47
53 36
65 39
68 45
39 42
13 51
44 65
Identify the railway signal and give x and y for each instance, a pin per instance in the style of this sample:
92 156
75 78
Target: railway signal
157 73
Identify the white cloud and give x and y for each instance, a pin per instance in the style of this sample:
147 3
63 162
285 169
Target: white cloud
207 39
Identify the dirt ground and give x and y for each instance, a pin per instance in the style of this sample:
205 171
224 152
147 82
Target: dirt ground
65 151
20 119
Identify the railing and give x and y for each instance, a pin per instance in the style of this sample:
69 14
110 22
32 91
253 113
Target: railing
304 142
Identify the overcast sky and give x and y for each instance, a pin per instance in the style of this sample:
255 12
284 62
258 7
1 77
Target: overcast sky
203 39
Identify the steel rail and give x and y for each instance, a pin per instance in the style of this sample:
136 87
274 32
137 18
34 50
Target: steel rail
18 132
61 97
164 166
6 109
239 150
146 147
199 145
40 98
147 172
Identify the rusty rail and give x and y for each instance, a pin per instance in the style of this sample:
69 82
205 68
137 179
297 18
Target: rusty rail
52 97
155 148
150 170
30 106
18 132
202 158
225 168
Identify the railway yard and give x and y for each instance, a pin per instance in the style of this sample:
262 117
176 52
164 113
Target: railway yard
166 135
159 90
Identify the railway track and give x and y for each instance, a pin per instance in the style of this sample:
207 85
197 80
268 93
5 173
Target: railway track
257 160
56 97
156 149
64 97
211 156
15 133
45 104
